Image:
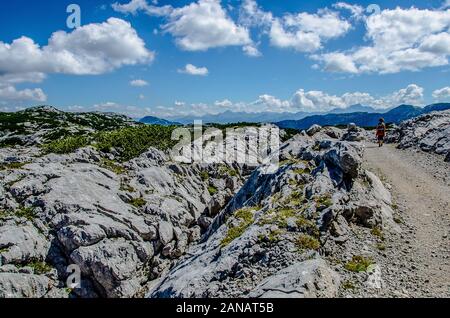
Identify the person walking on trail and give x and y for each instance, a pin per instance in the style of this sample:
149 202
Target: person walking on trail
381 132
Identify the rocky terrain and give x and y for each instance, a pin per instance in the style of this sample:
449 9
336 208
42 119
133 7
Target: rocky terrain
429 132
138 224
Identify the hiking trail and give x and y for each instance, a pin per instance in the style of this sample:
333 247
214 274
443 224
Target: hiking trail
417 262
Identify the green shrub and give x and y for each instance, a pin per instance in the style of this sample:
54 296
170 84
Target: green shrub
138 202
305 241
13 165
112 166
66 145
40 268
28 213
381 246
378 232
324 200
226 171
131 142
348 285
212 190
245 217
204 175
358 264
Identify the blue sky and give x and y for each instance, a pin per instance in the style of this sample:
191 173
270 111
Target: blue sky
173 58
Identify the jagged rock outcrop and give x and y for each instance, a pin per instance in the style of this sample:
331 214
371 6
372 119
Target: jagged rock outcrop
266 242
354 133
308 279
123 225
429 132
249 230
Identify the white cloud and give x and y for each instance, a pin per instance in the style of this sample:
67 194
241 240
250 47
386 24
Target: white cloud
338 62
442 94
412 94
10 93
267 102
301 100
138 83
91 49
402 40
306 32
205 24
131 111
134 6
252 51
194 70
88 50
357 11
224 103
251 15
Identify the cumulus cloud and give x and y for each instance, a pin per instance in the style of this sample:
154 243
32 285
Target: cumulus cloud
205 24
194 70
10 93
88 50
91 49
134 6
307 32
224 103
356 11
138 83
301 100
252 51
303 32
442 94
402 40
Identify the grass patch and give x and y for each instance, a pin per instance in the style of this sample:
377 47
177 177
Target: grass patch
112 166
225 171
272 237
66 145
381 246
398 220
378 232
126 187
307 226
324 200
302 171
348 285
358 264
40 268
296 198
212 190
246 218
4 249
307 242
131 142
13 165
27 213
138 202
204 175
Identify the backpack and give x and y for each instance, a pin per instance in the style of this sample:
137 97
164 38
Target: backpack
381 130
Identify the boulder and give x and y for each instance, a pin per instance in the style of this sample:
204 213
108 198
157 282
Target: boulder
308 279
313 130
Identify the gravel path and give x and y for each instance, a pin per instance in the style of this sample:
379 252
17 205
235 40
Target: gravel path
417 264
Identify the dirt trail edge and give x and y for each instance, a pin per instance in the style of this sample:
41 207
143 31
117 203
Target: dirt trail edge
417 264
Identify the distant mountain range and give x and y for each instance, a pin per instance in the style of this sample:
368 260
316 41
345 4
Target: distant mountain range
358 114
262 117
151 120
363 119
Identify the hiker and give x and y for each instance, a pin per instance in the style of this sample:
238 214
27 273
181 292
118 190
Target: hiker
381 132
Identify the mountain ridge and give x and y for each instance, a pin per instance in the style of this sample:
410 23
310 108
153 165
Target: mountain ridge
395 115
